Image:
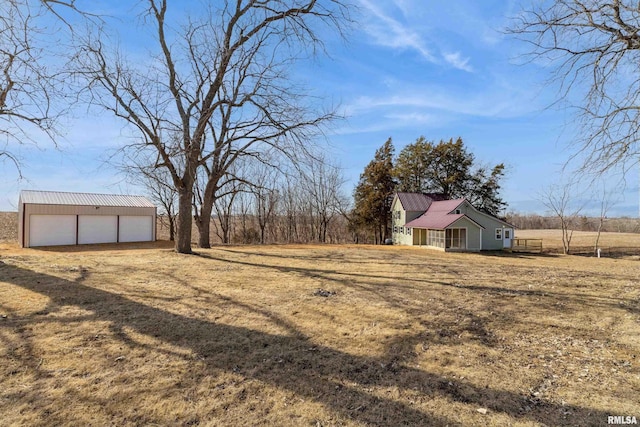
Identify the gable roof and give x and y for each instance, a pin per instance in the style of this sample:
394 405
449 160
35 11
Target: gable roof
418 202
83 199
438 215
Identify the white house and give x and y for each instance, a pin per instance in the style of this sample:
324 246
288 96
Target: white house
450 225
51 218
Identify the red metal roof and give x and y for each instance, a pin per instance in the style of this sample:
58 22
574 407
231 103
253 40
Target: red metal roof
438 215
417 202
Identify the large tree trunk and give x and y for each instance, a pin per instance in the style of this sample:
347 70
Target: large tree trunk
183 242
172 227
225 225
204 224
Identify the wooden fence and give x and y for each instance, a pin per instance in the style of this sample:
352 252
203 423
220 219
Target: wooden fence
526 245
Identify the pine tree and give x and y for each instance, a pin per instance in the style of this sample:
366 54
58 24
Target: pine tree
413 167
374 192
448 168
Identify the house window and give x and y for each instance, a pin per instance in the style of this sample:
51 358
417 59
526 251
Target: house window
395 228
409 231
401 230
498 233
458 212
507 233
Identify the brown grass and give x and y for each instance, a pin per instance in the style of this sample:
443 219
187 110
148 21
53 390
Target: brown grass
8 226
105 335
583 242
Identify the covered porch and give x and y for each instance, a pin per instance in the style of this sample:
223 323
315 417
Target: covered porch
448 239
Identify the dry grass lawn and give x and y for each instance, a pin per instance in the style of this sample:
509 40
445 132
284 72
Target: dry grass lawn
138 335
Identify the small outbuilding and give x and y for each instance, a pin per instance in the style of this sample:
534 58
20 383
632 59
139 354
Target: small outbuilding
52 218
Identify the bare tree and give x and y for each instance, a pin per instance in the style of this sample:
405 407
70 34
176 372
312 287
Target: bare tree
156 183
561 201
265 195
290 210
31 83
225 189
322 184
159 187
606 202
243 208
227 59
260 111
223 207
596 46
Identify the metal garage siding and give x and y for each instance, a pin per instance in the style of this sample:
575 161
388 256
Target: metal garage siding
39 209
97 229
85 204
52 230
136 229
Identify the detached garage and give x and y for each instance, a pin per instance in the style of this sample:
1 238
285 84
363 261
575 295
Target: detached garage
51 218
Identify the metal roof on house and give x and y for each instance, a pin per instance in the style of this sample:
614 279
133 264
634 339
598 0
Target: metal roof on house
84 199
439 215
417 202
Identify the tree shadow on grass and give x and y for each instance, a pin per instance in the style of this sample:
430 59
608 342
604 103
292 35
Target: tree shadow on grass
348 278
333 378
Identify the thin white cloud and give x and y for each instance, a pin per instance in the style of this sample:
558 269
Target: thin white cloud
387 122
496 101
389 32
458 61
413 118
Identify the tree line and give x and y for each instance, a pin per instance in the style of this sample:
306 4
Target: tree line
525 221
262 204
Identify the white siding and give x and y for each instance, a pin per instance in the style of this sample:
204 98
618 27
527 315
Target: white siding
136 229
51 230
399 217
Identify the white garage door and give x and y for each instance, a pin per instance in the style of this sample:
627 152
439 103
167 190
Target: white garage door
136 228
51 230
97 229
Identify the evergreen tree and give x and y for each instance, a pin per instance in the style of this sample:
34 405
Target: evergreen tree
413 167
485 194
374 192
449 168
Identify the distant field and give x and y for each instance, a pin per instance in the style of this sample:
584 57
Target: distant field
585 240
315 336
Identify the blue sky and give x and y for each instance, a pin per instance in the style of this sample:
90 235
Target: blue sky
410 68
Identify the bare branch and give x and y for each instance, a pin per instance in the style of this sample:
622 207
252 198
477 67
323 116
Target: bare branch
220 82
595 47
